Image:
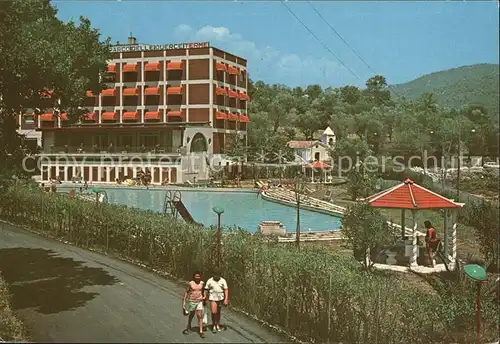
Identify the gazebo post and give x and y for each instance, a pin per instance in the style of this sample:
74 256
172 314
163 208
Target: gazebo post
446 230
453 240
413 260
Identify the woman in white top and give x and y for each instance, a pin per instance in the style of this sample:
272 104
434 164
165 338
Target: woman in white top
217 294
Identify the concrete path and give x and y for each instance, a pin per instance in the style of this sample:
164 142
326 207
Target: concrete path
67 294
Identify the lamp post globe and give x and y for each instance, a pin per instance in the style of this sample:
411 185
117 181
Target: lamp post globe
219 211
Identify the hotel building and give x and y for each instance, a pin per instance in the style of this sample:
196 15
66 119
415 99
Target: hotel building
169 108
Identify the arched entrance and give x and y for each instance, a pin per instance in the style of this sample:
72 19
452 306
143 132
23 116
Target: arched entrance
199 143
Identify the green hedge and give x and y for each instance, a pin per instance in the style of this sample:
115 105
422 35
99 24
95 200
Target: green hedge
313 293
11 328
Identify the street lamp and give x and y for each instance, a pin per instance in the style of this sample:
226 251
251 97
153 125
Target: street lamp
219 211
477 274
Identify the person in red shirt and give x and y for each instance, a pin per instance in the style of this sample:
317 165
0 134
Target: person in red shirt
431 240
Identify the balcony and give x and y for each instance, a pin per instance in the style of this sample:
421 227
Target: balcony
61 151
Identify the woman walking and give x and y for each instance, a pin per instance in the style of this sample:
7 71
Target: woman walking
193 302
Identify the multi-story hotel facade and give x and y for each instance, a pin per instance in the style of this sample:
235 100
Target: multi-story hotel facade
168 108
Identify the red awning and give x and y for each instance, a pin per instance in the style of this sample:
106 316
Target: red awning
233 116
89 94
108 116
110 92
47 117
152 115
220 91
232 94
177 65
220 115
220 66
130 68
132 115
174 114
130 92
234 70
152 67
409 195
319 164
243 96
112 68
89 116
244 118
64 116
152 91
174 90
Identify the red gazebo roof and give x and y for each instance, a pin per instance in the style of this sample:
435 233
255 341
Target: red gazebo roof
319 164
409 195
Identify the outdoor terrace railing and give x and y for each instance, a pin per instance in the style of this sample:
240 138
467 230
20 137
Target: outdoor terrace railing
118 150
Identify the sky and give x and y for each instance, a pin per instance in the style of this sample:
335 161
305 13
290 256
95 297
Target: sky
289 43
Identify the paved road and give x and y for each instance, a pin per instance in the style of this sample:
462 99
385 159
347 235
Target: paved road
67 294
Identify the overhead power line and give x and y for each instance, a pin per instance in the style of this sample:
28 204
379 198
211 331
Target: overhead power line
319 40
338 35
348 45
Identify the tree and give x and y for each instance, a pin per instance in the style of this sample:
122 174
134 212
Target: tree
45 63
235 149
364 228
308 123
377 91
348 152
350 94
360 183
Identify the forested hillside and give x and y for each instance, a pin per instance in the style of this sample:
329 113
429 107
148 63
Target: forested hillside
476 84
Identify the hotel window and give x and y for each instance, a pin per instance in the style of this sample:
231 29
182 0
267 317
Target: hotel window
29 119
241 78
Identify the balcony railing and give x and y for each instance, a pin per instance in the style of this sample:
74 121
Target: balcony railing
119 150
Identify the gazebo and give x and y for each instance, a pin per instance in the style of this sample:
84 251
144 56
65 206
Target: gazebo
413 197
318 165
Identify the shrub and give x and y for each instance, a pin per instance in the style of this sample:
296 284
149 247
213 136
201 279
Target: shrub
312 293
365 228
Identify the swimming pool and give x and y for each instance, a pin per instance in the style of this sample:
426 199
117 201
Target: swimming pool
241 209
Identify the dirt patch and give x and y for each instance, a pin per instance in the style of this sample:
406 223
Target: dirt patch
11 328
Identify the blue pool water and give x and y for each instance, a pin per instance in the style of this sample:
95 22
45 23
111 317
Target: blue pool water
243 210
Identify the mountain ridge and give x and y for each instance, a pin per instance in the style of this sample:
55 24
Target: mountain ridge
476 84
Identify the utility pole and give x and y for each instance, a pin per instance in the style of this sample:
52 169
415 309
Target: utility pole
298 189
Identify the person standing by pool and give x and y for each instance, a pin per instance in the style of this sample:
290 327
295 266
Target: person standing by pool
218 295
431 241
193 302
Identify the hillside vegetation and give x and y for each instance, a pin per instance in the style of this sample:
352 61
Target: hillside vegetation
458 87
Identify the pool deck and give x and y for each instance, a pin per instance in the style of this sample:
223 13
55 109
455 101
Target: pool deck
287 197
159 187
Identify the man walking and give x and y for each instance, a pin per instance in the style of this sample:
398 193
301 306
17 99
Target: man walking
218 295
192 302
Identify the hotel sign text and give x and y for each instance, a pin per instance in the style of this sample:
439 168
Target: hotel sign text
156 47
